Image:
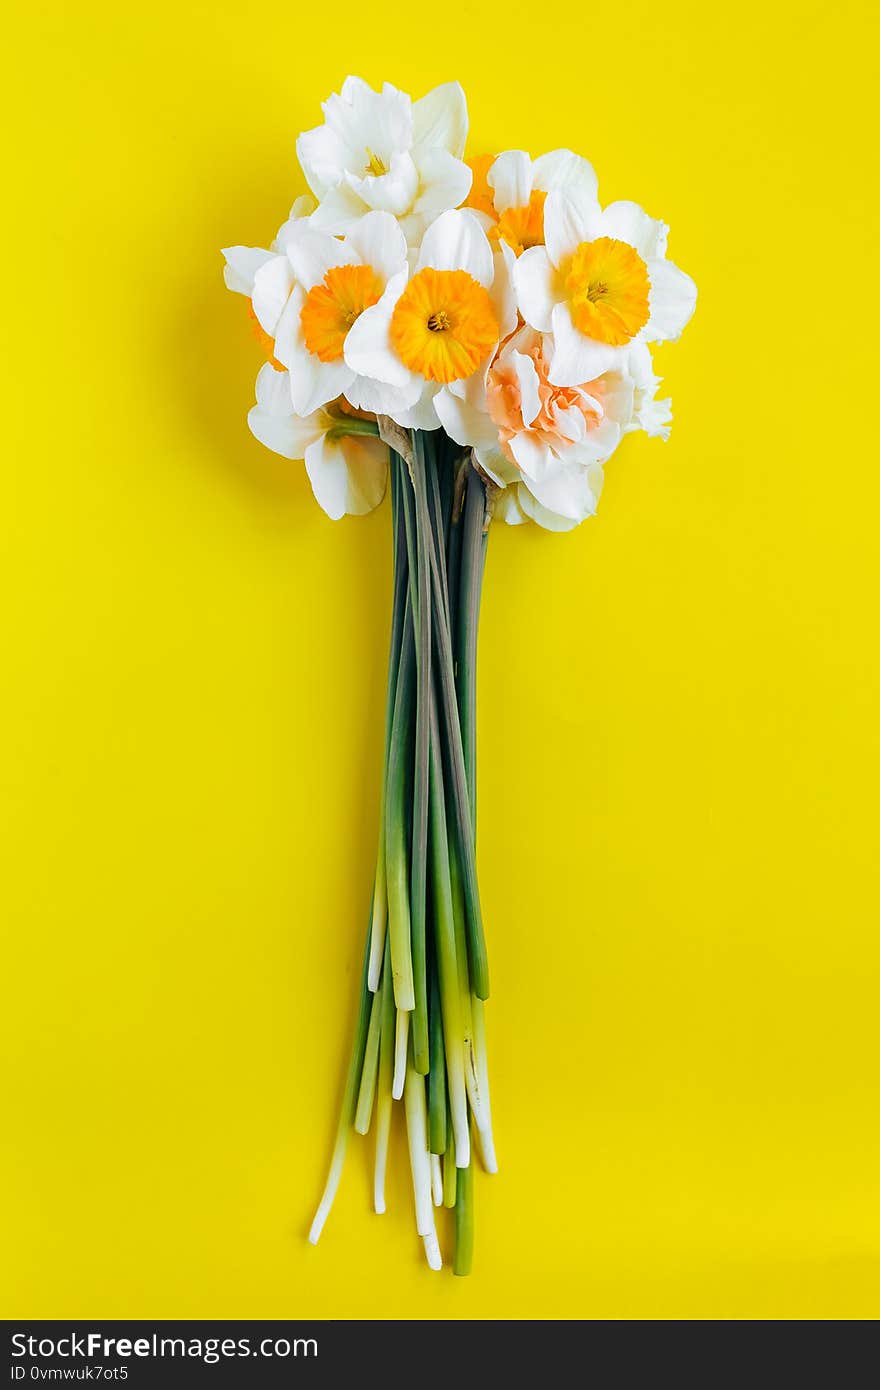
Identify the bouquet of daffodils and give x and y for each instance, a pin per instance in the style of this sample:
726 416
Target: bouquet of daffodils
474 337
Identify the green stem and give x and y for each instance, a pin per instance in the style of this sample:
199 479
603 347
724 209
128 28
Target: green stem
420 601
453 539
444 926
367 1092
464 1221
450 1176
437 1075
383 1085
352 424
473 554
396 846
462 826
379 914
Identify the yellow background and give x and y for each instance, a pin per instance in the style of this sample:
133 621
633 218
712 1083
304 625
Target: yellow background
678 719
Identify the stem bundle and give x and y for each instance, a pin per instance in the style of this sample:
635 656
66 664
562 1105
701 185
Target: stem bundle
420 1033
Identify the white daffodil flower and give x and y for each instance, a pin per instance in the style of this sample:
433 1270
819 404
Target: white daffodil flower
381 150
307 298
600 283
435 328
509 192
346 462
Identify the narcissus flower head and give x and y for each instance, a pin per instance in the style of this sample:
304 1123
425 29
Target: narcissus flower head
383 151
600 284
510 191
346 462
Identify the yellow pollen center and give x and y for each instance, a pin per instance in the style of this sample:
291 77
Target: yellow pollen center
443 325
332 306
375 164
522 227
607 287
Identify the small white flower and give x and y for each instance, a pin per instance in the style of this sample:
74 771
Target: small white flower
600 283
381 150
346 462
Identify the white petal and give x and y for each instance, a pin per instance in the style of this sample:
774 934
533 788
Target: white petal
322 154
527 377
502 293
551 521
339 210
596 445
464 422
287 435
272 285
507 507
567 223
673 300
314 383
577 359
563 169
618 398
242 264
273 392
444 182
534 281
381 399
347 475
570 424
368 349
511 177
456 241
421 416
440 119
378 242
368 122
312 253
534 457
288 332
498 466
564 492
628 222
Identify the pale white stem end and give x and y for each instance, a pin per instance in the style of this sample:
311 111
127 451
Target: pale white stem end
401 1035
432 1251
486 1144
419 1157
330 1189
436 1180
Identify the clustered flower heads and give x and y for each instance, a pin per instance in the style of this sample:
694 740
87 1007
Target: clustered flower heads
495 300
478 333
